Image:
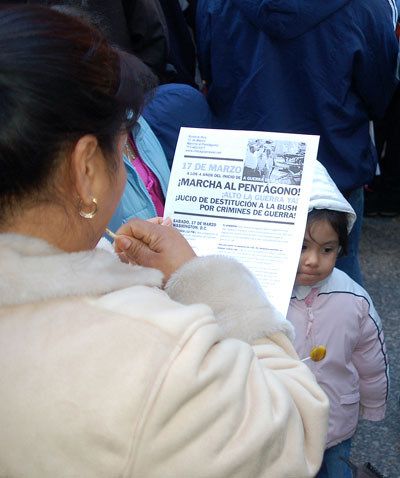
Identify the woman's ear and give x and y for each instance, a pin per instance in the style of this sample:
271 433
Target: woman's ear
83 166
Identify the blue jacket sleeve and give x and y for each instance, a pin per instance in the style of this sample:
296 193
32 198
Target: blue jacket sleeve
375 61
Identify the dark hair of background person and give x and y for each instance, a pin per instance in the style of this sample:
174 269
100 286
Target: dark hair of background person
59 80
338 221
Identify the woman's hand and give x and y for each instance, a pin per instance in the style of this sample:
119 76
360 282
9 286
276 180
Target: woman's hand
153 243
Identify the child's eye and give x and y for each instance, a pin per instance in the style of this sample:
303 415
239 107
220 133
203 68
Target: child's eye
303 248
328 250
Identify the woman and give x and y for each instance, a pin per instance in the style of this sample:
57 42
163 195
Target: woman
103 373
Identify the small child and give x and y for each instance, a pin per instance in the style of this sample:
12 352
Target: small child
328 308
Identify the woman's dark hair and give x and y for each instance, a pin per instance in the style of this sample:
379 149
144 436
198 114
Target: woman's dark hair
338 221
59 80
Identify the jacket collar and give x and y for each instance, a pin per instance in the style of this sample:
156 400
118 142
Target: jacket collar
32 270
302 291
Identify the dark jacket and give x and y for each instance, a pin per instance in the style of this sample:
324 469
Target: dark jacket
302 66
136 26
182 52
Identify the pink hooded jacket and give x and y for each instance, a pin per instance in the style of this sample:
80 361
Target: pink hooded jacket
339 314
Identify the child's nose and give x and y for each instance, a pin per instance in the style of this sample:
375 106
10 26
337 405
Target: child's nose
311 258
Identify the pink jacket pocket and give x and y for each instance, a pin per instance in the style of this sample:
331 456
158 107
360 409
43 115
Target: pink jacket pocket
350 398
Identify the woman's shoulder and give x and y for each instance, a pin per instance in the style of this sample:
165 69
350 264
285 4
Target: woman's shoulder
34 271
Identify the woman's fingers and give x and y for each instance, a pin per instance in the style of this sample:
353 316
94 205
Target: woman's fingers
151 244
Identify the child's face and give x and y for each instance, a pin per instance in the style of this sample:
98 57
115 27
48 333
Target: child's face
319 253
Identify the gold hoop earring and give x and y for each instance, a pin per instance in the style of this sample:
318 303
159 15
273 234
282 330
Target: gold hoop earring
88 215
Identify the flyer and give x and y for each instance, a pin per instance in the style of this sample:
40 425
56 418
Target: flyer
245 194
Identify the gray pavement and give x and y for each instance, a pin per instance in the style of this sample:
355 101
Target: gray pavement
379 443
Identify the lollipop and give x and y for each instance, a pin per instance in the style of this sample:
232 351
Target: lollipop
316 354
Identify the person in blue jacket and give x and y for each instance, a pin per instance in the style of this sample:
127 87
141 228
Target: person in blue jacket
304 66
150 149
173 106
137 200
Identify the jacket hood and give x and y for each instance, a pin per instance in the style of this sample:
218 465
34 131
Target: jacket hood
287 19
326 195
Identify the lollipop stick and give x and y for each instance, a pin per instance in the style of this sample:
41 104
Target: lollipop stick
111 234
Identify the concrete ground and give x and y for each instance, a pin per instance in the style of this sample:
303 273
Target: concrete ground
379 443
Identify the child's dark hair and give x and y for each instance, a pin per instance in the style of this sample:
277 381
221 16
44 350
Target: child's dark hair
338 221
